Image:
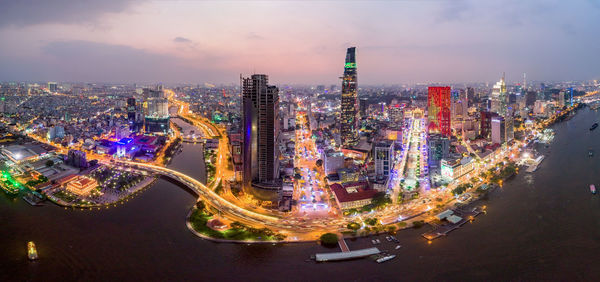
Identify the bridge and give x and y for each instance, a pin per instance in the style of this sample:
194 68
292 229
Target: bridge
229 209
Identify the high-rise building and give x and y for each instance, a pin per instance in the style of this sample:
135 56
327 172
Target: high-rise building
438 108
486 124
530 98
439 148
131 107
260 131
349 105
397 115
383 156
77 159
157 115
364 103
502 129
499 97
52 87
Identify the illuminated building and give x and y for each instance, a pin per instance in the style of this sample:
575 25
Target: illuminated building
349 104
383 156
502 129
499 97
260 125
486 124
52 87
131 113
353 195
157 115
438 149
438 108
81 186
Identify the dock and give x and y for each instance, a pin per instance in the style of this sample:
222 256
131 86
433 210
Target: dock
455 220
337 256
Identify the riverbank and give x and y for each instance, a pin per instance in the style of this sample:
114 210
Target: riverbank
131 192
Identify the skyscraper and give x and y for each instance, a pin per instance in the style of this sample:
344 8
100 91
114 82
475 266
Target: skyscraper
438 109
499 97
131 113
260 125
349 111
157 116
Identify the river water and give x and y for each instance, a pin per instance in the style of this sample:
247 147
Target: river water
544 225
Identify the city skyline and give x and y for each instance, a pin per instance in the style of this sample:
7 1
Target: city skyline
398 42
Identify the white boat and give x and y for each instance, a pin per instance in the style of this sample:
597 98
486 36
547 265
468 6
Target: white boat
385 258
398 247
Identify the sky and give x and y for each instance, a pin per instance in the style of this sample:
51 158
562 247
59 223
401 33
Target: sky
299 42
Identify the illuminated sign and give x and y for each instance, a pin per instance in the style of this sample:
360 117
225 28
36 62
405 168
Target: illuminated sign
350 66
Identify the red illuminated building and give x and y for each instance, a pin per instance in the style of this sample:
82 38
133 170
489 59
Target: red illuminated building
438 108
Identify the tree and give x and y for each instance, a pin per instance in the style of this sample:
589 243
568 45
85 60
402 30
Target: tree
329 239
49 163
418 224
319 162
380 199
353 226
391 229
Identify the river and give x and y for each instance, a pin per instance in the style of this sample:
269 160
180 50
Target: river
544 225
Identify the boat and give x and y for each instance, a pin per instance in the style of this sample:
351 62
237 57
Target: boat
385 258
593 189
31 251
591 153
398 247
594 126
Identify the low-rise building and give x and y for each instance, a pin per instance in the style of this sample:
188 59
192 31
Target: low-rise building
353 195
81 186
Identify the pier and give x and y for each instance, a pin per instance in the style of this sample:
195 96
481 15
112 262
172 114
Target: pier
346 255
455 218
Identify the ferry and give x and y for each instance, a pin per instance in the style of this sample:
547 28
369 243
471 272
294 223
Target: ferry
591 153
593 189
594 126
385 258
31 251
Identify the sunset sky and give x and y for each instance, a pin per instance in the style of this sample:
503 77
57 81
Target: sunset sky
298 41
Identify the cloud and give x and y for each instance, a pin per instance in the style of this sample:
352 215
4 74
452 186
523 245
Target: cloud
92 61
32 12
254 36
179 39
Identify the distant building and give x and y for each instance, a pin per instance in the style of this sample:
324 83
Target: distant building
349 104
56 132
52 87
438 108
499 97
260 131
157 115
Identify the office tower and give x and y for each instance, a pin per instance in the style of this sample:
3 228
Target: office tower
131 113
530 99
438 148
349 113
364 103
499 97
569 97
157 115
524 82
260 131
502 129
438 108
383 156
77 159
52 87
459 108
486 123
397 115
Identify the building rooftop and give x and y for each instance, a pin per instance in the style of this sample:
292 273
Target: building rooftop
353 191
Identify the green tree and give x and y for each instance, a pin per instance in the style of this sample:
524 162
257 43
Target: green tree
329 240
49 163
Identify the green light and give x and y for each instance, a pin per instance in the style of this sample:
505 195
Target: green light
350 66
